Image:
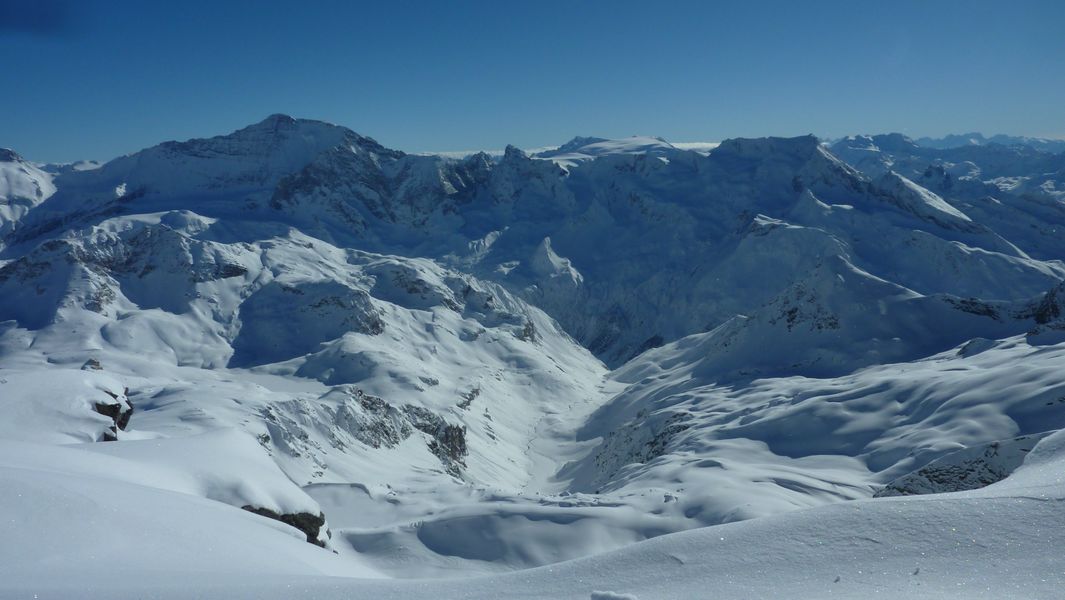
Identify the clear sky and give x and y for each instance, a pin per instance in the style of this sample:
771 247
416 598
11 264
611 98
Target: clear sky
99 79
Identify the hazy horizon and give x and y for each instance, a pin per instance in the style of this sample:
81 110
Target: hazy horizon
680 143
98 80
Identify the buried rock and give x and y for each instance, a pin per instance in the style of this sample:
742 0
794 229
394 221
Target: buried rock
92 365
120 411
309 523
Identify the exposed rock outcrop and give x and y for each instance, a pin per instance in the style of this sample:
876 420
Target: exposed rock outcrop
310 524
120 411
448 441
965 469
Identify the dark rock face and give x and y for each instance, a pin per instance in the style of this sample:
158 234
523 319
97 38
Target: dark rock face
310 524
92 365
111 411
226 271
975 307
363 418
1049 316
1052 306
448 441
528 332
120 412
468 398
374 422
652 342
449 445
641 440
123 419
966 469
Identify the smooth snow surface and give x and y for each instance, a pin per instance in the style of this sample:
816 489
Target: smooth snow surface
1001 542
614 369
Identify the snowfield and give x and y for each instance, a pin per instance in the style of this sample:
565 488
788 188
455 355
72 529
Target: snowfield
290 362
1000 542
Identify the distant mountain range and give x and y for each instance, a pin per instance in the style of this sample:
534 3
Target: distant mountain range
439 365
978 139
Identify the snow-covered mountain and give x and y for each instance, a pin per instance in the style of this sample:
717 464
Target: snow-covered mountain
1016 190
23 185
440 366
979 139
581 149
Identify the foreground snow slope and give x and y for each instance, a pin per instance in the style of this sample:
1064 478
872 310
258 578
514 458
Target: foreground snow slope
84 516
1000 542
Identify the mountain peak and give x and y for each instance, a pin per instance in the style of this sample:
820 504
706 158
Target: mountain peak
806 145
954 140
285 142
9 155
281 124
579 142
795 151
513 153
892 141
581 149
277 118
881 142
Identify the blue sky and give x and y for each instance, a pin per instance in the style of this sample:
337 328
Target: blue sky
100 79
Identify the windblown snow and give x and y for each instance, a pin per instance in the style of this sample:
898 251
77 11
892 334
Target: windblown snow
291 362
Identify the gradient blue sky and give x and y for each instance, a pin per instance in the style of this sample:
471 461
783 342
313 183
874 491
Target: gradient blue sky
100 79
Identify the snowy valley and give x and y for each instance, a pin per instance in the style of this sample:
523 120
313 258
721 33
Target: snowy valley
291 362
